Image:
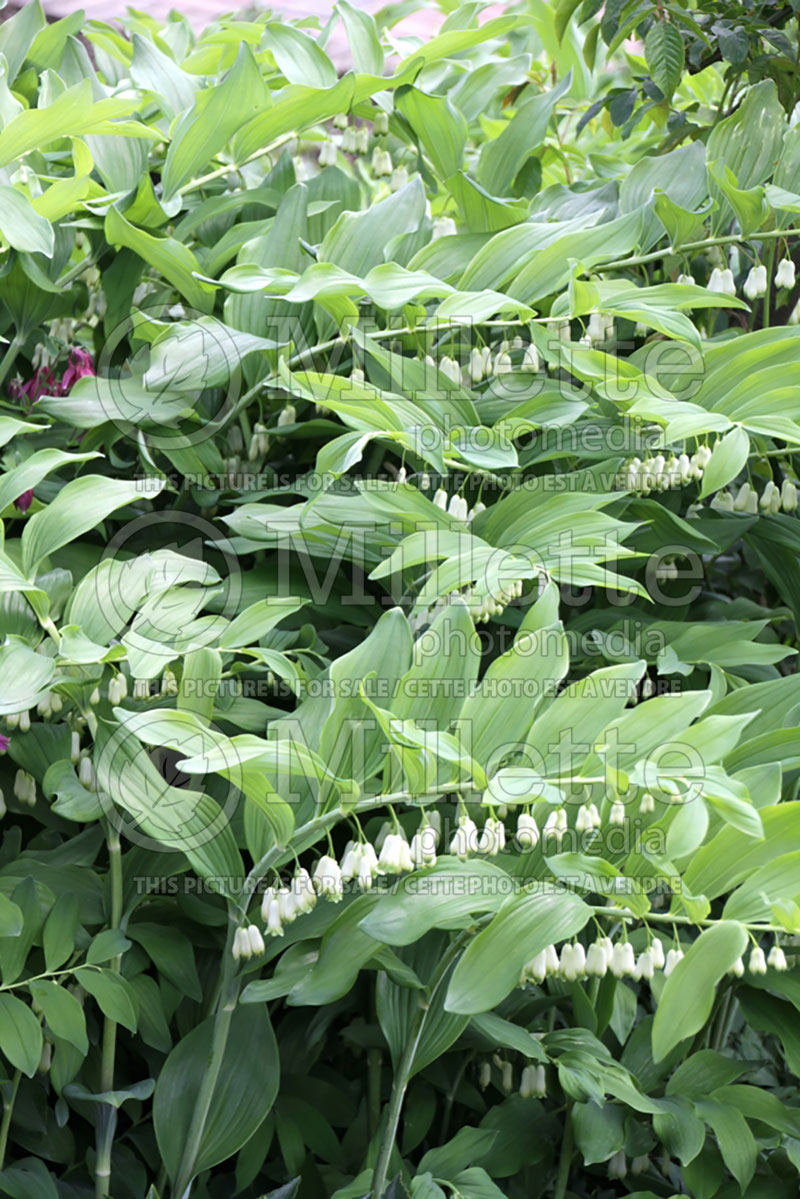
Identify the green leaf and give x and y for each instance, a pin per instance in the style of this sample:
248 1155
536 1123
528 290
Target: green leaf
663 51
688 995
299 57
63 1013
24 675
59 931
259 619
34 469
21 226
445 895
10 918
113 993
202 131
245 1090
491 965
108 944
79 506
736 1142
175 261
20 1034
362 34
438 125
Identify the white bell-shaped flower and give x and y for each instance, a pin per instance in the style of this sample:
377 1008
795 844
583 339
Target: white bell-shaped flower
785 274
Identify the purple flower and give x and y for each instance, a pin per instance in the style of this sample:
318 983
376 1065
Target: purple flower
4 743
81 364
42 382
23 502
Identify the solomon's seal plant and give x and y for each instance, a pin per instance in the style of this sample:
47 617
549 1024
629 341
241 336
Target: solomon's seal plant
399 717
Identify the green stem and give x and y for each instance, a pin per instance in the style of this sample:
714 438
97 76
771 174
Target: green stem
627 914
107 1121
723 1026
232 166
565 1157
403 1073
226 1004
10 357
374 1064
768 292
727 239
8 1111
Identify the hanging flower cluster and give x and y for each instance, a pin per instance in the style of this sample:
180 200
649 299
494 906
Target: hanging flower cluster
575 963
660 473
773 499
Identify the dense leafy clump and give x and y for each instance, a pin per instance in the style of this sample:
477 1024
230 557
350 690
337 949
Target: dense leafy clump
399 594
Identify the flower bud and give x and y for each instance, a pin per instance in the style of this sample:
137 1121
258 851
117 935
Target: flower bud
623 961
255 940
443 226
305 897
86 775
399 178
241 945
362 140
618 1165
465 838
327 878
757 963
527 836
722 280
380 122
484 1074
645 966
423 846
395 854
777 958
765 499
657 950
507 1077
673 957
502 363
742 498
530 359
450 368
789 496
367 866
785 274
440 498
492 838
737 969
755 284
341 120
458 507
722 502
535 970
327 155
527 1082
476 365
596 960
685 279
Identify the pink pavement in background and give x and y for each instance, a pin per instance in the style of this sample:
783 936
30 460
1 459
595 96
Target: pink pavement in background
423 24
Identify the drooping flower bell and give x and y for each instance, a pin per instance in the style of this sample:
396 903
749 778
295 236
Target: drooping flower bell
755 284
395 857
80 365
785 274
